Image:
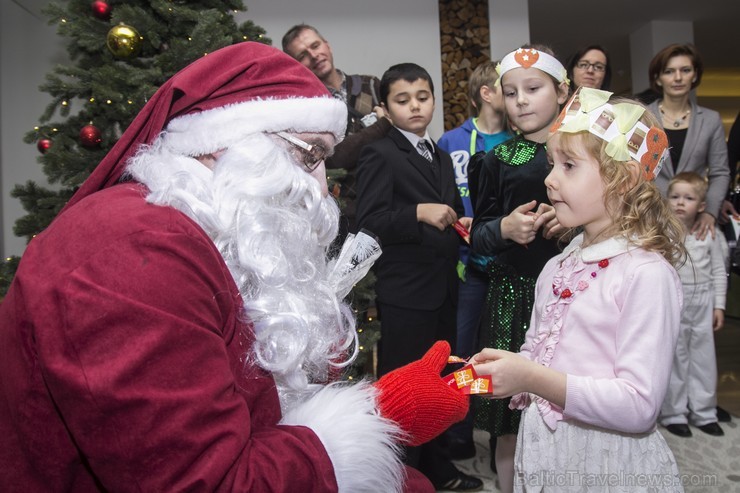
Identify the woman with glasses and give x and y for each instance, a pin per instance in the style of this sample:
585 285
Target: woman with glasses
589 67
695 134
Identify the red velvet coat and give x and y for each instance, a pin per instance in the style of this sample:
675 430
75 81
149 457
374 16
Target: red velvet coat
131 373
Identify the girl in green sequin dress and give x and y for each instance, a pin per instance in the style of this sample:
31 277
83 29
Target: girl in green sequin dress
515 223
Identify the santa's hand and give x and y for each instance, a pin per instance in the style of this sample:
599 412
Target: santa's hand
416 398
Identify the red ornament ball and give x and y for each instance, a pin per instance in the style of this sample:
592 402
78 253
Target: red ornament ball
101 10
43 145
90 136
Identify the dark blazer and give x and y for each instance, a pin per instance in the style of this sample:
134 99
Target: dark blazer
418 266
704 152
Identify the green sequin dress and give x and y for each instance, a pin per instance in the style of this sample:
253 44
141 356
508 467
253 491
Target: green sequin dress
511 175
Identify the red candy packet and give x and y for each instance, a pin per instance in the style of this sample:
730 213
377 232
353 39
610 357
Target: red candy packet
462 231
467 381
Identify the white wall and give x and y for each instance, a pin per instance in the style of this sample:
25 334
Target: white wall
649 40
366 37
508 21
28 49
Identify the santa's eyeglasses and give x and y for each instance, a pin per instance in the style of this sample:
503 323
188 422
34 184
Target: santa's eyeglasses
312 154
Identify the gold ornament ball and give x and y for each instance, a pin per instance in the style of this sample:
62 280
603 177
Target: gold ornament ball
123 41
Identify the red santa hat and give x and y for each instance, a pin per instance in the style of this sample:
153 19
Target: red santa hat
218 100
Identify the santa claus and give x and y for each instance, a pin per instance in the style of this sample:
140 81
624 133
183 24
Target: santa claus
175 327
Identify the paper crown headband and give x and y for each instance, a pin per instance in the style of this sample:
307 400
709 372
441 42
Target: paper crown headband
529 57
619 125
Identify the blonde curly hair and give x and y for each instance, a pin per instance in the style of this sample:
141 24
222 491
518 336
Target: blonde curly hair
638 211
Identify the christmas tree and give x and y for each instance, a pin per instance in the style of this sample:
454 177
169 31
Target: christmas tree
122 52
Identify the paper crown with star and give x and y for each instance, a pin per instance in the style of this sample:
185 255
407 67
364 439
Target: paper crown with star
619 125
530 57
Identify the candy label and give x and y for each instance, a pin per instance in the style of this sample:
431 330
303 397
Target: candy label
466 380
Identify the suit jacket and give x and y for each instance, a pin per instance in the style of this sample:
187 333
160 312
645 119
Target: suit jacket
704 152
418 266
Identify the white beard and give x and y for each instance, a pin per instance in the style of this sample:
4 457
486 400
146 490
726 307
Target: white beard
268 219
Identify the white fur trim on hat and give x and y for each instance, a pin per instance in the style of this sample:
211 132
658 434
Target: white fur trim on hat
213 130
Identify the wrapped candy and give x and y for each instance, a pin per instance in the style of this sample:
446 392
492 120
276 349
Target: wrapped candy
359 252
466 380
462 231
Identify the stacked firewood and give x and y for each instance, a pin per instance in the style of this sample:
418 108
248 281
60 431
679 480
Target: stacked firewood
463 26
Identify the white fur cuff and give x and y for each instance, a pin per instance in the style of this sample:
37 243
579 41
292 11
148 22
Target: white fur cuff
361 444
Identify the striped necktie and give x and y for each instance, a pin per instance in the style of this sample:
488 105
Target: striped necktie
423 148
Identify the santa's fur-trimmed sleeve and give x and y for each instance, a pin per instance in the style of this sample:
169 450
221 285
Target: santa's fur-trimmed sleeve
362 445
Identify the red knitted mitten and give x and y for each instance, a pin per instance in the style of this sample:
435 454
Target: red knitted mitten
415 397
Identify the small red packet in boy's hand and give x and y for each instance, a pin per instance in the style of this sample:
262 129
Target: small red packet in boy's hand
466 380
462 231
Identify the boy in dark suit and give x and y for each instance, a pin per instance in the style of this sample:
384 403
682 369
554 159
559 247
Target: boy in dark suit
407 196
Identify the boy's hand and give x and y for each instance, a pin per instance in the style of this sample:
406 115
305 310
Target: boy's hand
718 319
438 215
519 226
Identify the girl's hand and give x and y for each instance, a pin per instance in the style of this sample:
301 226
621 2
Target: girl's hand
513 374
704 224
519 225
509 371
548 222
